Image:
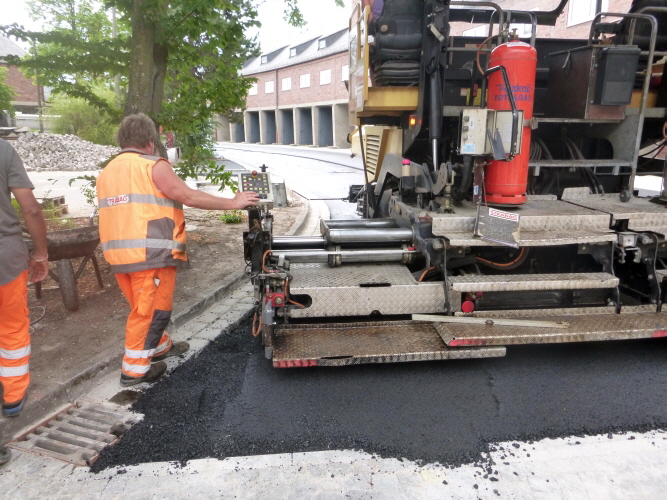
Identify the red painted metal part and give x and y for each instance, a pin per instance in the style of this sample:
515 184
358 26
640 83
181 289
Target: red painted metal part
506 181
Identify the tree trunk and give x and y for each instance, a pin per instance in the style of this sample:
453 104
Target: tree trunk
148 66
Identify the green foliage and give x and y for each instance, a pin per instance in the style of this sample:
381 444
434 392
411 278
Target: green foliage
74 115
54 220
179 62
17 208
232 217
75 49
6 94
197 156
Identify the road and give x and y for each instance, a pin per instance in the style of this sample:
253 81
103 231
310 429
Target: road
314 173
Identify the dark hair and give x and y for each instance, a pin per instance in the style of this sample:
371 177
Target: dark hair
136 131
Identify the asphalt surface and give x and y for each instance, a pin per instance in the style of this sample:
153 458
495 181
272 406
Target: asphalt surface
229 401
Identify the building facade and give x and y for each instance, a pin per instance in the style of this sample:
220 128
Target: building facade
26 100
300 96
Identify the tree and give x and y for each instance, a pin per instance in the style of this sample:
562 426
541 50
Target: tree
7 94
181 59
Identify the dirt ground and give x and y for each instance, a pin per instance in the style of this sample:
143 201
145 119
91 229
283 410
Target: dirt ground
215 249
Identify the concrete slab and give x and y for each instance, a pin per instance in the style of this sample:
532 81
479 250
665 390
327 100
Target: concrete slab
354 474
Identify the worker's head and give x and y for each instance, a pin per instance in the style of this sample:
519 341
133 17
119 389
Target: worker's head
136 131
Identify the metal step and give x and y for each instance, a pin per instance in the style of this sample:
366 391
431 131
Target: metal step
580 329
363 343
516 282
362 289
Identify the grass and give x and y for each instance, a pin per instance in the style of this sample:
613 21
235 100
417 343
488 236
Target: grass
232 217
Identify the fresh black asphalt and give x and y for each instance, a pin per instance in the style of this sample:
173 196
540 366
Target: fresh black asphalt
229 401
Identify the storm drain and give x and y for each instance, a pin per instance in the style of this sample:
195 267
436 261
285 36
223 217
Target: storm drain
77 433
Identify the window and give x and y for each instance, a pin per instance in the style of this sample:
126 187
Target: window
478 31
325 77
581 11
269 87
345 71
304 81
292 52
253 89
265 59
322 44
286 84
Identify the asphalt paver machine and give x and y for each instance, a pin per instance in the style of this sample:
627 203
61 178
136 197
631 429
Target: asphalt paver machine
500 203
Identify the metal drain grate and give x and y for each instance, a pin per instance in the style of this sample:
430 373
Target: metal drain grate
77 433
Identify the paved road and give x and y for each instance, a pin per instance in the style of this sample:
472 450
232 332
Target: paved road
446 412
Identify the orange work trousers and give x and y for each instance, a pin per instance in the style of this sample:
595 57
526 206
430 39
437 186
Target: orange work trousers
14 339
150 295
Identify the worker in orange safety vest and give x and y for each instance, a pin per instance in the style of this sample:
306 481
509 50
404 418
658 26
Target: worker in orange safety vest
17 267
142 232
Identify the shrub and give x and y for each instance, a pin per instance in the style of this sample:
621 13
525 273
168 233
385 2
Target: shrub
71 115
232 217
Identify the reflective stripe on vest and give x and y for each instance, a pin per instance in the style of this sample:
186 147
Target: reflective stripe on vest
139 198
136 368
14 371
15 353
143 243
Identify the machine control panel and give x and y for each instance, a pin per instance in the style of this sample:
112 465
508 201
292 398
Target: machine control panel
260 183
478 123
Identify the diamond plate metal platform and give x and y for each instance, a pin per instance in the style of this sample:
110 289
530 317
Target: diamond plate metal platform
77 433
641 214
363 343
542 223
581 329
515 282
359 290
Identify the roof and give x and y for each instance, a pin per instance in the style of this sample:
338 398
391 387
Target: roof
9 48
334 43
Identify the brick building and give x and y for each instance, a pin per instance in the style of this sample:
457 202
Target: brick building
26 101
300 95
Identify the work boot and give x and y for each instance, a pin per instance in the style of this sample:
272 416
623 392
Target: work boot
176 349
5 455
13 409
155 372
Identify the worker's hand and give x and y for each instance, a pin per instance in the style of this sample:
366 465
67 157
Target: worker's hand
38 270
245 199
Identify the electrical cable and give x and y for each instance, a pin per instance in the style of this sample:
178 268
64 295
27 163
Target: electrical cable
421 278
505 266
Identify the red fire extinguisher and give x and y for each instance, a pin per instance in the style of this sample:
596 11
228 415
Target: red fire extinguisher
506 181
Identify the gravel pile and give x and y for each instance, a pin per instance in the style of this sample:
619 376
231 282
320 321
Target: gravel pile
60 152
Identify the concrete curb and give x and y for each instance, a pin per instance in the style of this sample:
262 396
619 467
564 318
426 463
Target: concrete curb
109 361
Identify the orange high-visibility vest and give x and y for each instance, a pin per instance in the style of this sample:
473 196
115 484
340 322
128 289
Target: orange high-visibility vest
140 228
